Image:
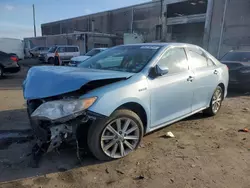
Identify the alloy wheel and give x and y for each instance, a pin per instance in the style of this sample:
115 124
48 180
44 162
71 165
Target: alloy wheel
120 137
217 99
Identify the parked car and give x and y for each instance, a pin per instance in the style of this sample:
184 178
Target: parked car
238 63
77 60
8 63
65 52
122 94
36 51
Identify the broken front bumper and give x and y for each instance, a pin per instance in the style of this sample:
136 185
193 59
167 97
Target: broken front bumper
54 133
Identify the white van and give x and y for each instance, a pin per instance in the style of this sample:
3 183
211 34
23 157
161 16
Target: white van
12 46
65 53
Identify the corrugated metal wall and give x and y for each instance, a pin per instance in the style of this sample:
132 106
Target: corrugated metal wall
119 21
237 26
235 33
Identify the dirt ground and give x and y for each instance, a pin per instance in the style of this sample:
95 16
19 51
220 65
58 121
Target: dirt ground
206 152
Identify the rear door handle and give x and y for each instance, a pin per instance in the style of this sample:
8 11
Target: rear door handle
216 72
190 79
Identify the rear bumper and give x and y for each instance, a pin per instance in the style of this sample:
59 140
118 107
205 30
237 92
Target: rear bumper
12 69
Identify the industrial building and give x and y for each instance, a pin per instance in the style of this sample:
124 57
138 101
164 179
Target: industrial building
216 25
85 40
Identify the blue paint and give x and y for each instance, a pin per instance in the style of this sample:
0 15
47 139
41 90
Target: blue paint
47 81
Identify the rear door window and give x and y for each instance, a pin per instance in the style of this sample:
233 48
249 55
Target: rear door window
175 59
198 59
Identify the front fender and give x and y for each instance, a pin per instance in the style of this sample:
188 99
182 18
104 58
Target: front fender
103 108
112 96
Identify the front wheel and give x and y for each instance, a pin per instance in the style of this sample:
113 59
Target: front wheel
215 103
118 136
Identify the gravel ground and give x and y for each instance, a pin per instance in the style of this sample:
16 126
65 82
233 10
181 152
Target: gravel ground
206 152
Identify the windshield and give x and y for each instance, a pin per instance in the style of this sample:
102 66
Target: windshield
93 52
237 56
122 58
52 49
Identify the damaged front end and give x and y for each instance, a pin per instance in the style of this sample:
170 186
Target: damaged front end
63 118
58 121
56 106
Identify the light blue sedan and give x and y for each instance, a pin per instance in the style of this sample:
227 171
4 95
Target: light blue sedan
114 98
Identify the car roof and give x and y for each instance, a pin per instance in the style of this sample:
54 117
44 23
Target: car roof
162 44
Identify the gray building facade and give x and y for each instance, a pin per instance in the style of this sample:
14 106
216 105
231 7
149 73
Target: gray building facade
216 25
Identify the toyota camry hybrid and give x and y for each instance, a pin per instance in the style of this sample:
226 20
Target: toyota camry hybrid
116 97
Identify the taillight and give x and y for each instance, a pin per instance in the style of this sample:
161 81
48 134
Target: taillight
14 59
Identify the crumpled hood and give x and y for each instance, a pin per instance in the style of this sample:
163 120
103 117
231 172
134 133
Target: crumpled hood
47 81
80 58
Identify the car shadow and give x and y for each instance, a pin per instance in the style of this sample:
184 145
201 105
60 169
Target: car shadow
16 142
196 116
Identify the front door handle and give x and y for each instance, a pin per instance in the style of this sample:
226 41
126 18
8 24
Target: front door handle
216 72
190 79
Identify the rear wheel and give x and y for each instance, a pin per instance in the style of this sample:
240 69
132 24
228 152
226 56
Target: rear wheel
117 137
215 103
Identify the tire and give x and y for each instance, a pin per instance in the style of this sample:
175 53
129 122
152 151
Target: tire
1 72
51 60
213 110
98 131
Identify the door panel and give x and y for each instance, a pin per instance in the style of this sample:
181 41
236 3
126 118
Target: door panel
205 78
171 97
204 85
172 93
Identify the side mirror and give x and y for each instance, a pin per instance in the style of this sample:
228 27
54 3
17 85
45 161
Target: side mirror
160 71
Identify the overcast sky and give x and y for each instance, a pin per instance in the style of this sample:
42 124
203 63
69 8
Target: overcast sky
16 15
